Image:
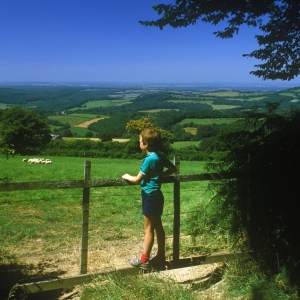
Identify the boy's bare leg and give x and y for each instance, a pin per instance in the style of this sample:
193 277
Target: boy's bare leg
161 237
149 224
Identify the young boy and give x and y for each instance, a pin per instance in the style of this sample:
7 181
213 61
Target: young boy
149 177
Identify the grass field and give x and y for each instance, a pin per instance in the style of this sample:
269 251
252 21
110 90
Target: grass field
184 101
80 131
209 102
183 144
156 110
191 130
209 121
40 229
4 106
102 103
223 94
73 119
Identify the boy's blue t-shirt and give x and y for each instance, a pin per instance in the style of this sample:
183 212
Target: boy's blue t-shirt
152 167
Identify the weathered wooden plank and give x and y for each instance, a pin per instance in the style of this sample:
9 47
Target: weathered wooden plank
209 176
62 283
41 185
207 259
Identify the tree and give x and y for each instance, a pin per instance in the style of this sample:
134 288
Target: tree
89 134
137 126
25 130
67 133
279 22
268 150
7 150
105 136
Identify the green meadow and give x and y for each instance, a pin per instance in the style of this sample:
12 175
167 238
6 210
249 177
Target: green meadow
184 144
223 94
73 119
45 225
80 131
102 103
4 106
209 121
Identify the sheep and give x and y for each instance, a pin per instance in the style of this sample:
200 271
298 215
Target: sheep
39 161
24 159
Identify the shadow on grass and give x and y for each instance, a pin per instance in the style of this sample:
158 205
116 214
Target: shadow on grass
14 274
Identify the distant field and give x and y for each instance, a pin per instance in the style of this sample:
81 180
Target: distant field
255 94
209 121
296 91
87 123
183 101
217 106
80 138
156 110
223 106
129 94
80 131
190 130
255 98
223 94
73 119
287 94
179 145
102 103
94 139
3 106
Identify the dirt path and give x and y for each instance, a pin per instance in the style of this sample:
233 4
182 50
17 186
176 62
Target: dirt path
87 123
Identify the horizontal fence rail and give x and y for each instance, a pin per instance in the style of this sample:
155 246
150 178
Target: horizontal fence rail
86 185
64 184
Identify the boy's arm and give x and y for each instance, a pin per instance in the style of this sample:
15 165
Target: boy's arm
133 179
170 170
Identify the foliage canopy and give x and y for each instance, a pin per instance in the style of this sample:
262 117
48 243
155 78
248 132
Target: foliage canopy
137 126
269 152
277 20
25 130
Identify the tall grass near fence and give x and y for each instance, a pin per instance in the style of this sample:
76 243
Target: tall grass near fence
41 230
155 287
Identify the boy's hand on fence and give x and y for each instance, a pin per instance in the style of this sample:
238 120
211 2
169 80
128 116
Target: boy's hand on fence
126 176
133 179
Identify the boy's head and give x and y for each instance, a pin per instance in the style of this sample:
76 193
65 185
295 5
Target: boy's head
153 138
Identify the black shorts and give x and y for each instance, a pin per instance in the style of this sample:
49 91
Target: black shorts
152 205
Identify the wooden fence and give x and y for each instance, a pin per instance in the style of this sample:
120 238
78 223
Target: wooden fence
86 184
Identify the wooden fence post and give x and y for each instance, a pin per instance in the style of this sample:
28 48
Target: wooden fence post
85 219
249 233
176 163
176 225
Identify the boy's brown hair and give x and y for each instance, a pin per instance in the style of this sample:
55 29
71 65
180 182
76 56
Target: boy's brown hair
153 138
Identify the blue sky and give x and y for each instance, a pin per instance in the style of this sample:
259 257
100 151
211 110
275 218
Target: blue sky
102 41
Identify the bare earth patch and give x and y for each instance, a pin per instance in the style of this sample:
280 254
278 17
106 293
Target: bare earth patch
87 123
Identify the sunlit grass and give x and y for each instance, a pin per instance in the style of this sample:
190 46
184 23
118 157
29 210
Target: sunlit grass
115 287
210 121
73 119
